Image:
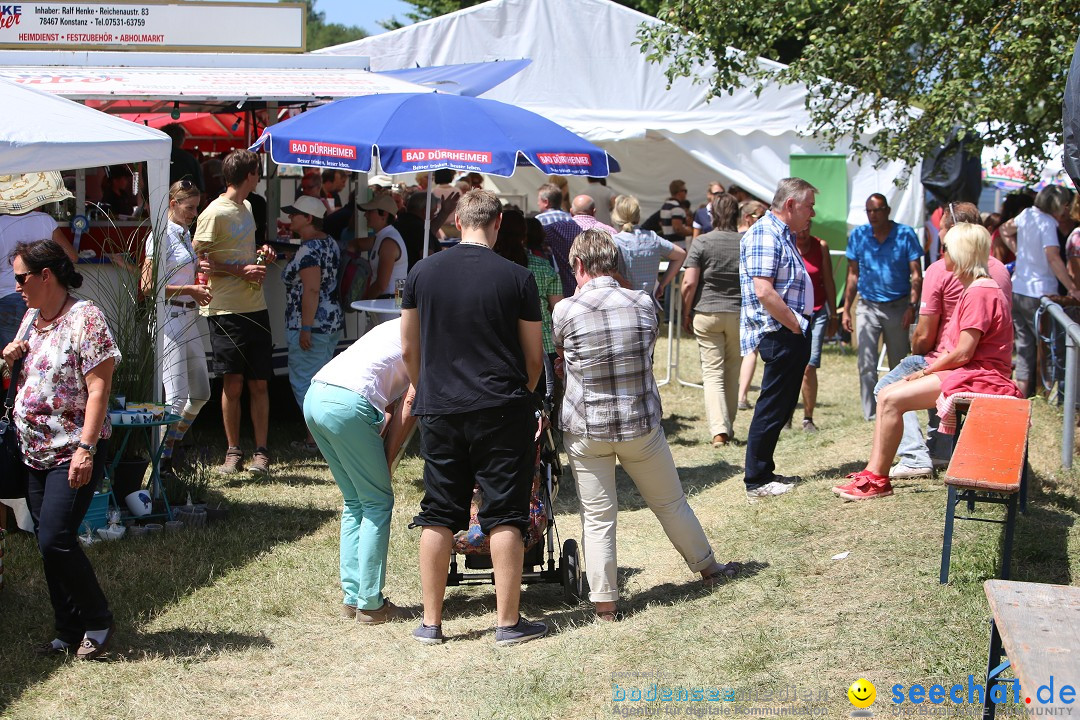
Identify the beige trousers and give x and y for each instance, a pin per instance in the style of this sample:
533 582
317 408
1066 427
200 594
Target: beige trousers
718 341
648 462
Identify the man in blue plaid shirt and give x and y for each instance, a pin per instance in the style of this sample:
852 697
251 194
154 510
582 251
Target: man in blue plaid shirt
777 301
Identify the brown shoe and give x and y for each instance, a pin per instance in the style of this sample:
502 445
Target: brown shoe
234 462
260 463
720 440
387 613
348 611
92 650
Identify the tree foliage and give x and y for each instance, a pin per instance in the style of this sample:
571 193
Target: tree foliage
427 9
322 34
992 68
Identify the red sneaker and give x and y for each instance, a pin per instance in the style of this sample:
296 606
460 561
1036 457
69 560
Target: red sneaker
867 487
853 480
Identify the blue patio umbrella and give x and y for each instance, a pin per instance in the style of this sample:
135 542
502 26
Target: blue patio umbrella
420 132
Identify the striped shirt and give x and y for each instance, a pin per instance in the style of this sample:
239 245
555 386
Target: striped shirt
607 334
768 250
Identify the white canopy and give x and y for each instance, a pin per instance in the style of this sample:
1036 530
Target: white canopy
45 132
588 76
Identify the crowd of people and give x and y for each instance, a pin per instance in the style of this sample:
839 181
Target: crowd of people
570 307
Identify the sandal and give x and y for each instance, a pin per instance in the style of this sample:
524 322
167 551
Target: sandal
610 615
723 574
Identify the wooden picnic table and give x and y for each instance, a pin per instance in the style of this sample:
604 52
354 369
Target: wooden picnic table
1038 627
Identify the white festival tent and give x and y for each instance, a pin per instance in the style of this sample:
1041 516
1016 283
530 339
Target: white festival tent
587 75
44 132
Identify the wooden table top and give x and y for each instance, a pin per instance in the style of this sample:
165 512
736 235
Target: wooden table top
1039 626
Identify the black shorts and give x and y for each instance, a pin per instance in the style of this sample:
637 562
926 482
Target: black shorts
242 344
493 448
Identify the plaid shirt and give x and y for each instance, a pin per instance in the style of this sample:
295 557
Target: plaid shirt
549 216
607 334
548 283
560 236
768 250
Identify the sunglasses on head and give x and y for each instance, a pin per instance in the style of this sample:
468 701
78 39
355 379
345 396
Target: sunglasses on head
186 184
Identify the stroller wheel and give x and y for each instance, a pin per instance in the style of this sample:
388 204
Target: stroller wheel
570 572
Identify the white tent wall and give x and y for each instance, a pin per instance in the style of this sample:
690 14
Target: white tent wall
588 76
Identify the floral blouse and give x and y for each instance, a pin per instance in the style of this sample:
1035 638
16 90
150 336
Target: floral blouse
324 254
50 406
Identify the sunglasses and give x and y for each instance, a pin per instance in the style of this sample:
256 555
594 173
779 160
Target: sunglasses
186 184
944 248
20 278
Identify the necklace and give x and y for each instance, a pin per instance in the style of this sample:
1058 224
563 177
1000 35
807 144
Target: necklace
473 242
59 312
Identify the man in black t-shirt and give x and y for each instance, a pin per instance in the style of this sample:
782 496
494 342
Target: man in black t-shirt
470 336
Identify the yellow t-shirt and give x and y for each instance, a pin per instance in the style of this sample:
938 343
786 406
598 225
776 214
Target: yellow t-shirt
226 233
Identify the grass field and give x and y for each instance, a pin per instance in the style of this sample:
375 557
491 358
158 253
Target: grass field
241 620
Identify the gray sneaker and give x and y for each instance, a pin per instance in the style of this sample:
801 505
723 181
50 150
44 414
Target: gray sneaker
769 489
901 471
808 425
428 634
523 631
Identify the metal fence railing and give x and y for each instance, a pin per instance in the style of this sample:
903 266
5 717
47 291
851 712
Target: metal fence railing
1063 323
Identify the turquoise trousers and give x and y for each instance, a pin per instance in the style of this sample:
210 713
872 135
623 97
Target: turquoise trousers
346 428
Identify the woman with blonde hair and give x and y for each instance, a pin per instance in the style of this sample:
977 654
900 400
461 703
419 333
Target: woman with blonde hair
640 250
183 364
980 338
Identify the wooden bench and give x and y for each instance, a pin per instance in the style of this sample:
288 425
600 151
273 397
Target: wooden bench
988 465
1038 628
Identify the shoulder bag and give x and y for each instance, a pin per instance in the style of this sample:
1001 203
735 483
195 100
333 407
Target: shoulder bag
13 475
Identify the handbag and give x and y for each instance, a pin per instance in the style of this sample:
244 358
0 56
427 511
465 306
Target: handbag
13 473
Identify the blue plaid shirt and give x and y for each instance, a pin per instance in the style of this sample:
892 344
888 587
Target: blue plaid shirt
768 250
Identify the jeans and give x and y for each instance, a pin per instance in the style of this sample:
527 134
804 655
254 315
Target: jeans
818 323
346 428
913 451
77 600
648 462
12 309
785 355
303 364
873 320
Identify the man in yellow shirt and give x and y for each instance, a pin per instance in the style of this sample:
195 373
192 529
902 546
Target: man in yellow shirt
239 323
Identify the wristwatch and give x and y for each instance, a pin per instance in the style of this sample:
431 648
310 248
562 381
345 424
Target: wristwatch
92 449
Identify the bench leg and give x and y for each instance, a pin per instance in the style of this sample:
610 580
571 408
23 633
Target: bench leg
1010 528
992 661
946 543
1025 477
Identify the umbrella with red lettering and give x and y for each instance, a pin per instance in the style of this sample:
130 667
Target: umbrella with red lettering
419 132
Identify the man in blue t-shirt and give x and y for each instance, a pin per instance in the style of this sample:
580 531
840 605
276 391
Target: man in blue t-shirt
884 266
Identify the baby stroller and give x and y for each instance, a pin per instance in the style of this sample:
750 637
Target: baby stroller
541 537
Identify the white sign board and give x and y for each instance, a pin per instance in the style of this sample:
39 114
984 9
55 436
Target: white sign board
148 25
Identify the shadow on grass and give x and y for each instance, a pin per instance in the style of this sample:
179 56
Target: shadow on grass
140 578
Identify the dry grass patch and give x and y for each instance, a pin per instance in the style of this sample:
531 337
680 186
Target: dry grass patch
241 621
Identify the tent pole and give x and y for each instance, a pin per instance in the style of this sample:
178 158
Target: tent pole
427 217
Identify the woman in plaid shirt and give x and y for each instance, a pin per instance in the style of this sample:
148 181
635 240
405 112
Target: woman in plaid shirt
611 410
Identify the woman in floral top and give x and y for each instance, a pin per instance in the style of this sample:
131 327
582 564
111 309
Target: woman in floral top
63 387
313 318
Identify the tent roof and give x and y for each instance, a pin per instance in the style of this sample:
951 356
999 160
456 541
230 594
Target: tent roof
45 132
149 88
597 83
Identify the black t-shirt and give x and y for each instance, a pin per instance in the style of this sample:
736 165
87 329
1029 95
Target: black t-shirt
469 302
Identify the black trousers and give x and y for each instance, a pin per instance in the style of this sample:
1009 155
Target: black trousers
785 355
494 448
78 602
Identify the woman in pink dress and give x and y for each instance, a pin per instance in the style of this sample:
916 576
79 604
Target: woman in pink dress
980 333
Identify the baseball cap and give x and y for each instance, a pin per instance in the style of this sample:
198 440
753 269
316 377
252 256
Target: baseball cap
380 202
306 205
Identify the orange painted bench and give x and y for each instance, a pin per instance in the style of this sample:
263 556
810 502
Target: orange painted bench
988 465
